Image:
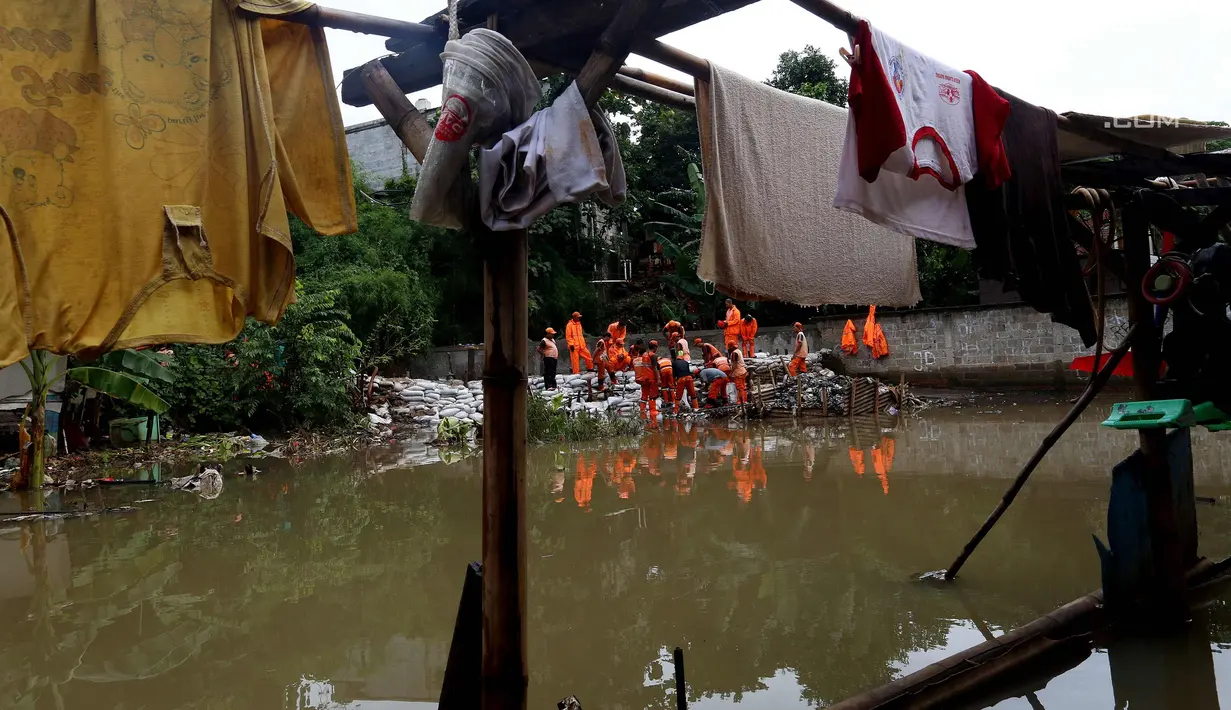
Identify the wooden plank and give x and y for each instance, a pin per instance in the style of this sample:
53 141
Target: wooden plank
570 27
405 120
612 49
506 322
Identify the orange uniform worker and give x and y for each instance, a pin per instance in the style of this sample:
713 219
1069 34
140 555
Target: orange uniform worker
618 330
682 372
602 362
732 326
673 330
799 359
618 356
666 381
748 335
645 369
547 349
708 352
739 374
575 336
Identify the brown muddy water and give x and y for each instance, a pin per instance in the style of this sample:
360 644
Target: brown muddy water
780 558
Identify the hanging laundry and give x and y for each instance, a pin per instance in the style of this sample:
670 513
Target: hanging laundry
850 345
150 151
916 117
562 154
489 87
771 162
880 346
869 326
1021 229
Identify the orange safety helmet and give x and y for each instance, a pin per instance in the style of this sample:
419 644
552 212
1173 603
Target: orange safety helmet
576 314
551 331
799 325
696 341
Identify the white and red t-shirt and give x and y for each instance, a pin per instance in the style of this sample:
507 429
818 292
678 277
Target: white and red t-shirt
916 117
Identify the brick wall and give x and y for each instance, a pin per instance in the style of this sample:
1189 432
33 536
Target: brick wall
377 150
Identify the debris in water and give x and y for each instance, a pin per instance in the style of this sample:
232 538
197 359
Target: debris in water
933 576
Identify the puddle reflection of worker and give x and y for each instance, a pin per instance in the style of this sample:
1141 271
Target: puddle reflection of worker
583 482
622 473
809 460
856 460
557 482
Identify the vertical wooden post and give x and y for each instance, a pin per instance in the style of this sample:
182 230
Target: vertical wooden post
824 402
850 409
505 324
1166 598
876 407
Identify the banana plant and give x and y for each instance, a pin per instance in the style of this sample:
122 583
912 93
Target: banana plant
124 375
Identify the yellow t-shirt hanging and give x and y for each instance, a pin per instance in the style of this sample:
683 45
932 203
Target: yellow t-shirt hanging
149 152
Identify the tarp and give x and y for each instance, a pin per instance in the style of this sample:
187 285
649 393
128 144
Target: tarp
1175 134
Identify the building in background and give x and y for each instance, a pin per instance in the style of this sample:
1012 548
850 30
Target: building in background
379 153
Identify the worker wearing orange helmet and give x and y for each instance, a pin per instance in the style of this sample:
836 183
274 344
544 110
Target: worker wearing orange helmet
799 358
732 326
748 335
619 356
550 353
645 370
575 336
708 352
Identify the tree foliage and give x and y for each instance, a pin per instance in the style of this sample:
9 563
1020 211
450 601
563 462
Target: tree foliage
809 73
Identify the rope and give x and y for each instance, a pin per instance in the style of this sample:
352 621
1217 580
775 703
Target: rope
454 28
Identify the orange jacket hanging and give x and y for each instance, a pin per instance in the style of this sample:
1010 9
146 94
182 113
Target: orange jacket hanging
880 346
850 346
869 327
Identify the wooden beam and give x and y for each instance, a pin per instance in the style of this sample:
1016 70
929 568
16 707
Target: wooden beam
680 87
612 50
569 28
831 13
677 59
405 120
318 16
640 89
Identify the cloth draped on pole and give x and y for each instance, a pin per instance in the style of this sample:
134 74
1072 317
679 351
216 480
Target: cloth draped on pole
149 153
850 345
771 167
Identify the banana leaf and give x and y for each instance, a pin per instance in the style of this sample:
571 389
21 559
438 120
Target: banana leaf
135 362
119 385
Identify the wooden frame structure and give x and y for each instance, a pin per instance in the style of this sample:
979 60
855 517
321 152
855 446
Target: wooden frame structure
590 39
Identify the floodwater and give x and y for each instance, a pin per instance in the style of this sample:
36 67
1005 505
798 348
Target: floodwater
778 556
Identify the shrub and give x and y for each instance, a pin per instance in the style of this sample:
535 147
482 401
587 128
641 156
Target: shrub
271 378
547 421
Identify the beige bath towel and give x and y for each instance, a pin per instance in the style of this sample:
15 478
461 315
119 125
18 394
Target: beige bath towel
771 232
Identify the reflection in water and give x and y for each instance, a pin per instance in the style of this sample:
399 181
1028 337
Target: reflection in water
779 557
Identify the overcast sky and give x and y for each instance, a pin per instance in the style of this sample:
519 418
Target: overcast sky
1120 58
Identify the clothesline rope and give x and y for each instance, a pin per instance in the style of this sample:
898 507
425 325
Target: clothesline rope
454 29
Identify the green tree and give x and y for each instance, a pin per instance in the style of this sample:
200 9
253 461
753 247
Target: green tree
809 73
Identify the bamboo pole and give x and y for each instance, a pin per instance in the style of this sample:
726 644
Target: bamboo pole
850 409
658 80
1092 389
824 402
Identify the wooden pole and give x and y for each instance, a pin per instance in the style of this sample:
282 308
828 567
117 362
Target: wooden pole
405 120
681 684
1092 389
505 324
824 402
658 80
850 410
319 16
613 47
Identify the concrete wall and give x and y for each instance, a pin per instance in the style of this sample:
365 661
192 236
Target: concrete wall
978 346
379 152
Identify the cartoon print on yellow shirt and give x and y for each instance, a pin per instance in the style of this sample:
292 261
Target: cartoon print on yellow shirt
36 146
